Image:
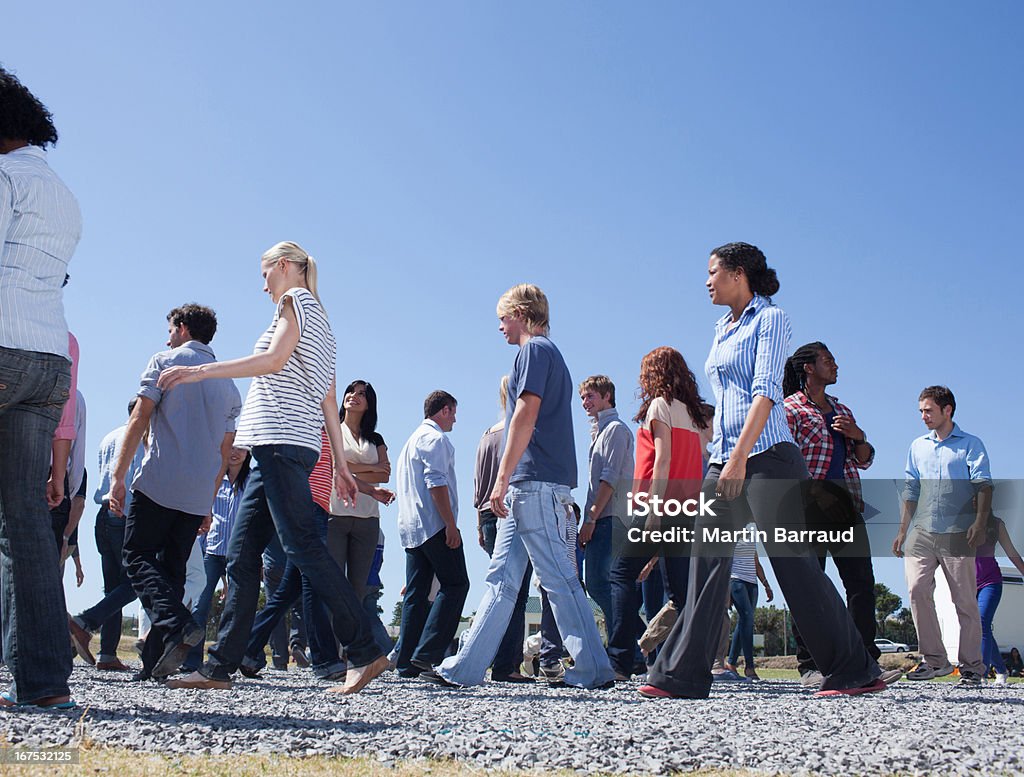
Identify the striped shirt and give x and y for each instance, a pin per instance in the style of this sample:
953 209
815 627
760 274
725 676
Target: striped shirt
225 508
284 408
40 225
746 361
321 479
743 567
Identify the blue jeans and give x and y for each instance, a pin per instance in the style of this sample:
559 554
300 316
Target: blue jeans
277 498
988 601
534 531
380 632
428 628
509 657
290 629
597 566
626 627
323 647
110 544
215 566
744 598
33 390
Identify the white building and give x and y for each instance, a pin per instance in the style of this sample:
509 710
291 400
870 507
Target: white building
1008 624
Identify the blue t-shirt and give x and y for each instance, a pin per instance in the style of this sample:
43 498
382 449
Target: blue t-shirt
837 465
551 455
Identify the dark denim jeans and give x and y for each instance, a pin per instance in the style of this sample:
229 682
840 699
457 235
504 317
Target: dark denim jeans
277 498
744 599
290 630
380 631
33 390
110 544
597 566
323 647
509 658
429 628
215 566
626 626
157 543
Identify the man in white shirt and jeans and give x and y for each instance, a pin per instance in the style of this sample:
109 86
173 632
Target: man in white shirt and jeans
428 508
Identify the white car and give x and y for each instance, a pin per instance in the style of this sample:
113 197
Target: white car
888 646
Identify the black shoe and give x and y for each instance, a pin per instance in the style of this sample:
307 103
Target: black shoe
299 657
508 678
410 672
423 666
434 677
141 677
249 671
176 652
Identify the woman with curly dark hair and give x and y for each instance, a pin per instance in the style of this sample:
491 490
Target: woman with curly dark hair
669 462
756 471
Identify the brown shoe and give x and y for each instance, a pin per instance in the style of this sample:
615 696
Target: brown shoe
360 676
200 681
113 666
81 639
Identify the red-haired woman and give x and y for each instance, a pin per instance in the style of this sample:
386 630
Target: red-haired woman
669 465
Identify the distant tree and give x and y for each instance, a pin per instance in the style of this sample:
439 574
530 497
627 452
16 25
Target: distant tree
902 628
886 603
772 622
396 614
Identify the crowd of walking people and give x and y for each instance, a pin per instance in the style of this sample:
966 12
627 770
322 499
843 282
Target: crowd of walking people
283 489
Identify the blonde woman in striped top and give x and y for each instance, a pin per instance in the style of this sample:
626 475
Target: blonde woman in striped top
291 397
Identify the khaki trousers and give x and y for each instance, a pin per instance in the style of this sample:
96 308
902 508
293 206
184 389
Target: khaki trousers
924 553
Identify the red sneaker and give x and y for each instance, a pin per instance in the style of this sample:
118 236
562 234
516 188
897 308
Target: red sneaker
652 692
873 687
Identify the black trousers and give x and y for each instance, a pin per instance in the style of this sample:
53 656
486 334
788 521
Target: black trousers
771 497
853 562
157 544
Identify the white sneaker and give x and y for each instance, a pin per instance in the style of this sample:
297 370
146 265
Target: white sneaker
1000 679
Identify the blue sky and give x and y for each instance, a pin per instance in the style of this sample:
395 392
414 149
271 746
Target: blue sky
430 156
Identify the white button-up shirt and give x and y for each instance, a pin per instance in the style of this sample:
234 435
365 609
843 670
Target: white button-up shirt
40 225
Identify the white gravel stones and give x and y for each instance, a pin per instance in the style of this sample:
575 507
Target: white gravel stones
913 728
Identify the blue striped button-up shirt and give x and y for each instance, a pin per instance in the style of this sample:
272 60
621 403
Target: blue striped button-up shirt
225 507
747 361
40 224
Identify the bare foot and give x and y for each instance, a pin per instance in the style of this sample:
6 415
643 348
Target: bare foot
359 677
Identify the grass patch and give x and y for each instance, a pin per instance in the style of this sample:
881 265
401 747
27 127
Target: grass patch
114 761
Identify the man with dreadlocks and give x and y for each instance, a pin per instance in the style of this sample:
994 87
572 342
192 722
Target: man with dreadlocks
835 449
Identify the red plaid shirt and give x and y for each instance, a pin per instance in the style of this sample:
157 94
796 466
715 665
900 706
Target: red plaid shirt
813 435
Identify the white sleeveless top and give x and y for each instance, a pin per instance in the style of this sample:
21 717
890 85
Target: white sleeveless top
358 452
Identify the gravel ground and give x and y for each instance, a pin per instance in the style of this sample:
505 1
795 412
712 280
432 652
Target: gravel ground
913 728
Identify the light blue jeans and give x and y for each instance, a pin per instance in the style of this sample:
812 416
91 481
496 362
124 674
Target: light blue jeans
533 531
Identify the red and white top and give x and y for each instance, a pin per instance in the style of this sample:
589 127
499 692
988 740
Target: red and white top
321 479
686 466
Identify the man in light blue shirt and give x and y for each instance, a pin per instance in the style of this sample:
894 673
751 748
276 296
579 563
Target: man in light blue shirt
428 508
40 225
948 496
191 431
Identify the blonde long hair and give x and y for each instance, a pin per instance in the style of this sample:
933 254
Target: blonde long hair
296 254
